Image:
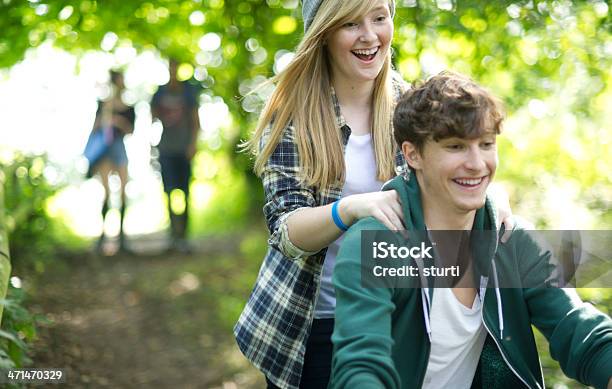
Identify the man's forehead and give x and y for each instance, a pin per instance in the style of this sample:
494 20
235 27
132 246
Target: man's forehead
476 136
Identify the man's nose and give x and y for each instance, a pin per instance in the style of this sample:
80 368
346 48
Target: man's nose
475 158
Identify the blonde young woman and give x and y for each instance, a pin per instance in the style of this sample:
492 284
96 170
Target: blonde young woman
324 146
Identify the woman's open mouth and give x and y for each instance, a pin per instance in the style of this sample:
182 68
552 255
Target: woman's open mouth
366 55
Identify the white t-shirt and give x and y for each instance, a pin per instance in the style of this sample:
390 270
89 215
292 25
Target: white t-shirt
360 163
457 337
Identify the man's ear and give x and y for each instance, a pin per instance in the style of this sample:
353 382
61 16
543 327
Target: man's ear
412 155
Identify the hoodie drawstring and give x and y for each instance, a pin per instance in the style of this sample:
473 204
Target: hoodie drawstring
424 298
500 311
426 312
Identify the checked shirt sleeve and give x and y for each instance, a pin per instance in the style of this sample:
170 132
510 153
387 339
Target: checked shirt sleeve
284 193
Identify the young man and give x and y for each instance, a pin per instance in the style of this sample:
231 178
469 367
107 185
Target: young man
175 105
476 335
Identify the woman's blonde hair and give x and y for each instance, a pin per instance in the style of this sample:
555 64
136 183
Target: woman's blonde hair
302 97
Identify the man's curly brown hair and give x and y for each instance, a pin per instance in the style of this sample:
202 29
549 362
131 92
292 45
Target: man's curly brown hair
446 105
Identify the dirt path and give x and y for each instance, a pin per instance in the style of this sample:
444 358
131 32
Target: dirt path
150 320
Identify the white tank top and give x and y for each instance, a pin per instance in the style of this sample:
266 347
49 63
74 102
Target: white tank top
457 337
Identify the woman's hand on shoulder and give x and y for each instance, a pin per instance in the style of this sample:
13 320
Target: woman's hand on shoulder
504 211
384 206
504 215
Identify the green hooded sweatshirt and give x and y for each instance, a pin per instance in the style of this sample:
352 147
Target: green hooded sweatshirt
381 337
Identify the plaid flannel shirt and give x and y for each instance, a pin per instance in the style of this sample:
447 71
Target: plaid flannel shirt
273 328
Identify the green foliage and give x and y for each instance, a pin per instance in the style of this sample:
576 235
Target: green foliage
549 54
32 242
230 196
521 49
549 61
18 330
26 192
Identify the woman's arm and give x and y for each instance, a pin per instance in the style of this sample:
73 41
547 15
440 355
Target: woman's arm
195 130
298 226
123 124
124 119
313 229
98 118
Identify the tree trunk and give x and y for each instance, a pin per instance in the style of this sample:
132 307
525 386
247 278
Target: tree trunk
5 258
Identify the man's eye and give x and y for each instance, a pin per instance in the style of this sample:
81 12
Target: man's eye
453 146
488 145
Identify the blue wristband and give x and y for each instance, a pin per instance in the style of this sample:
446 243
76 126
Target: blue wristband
337 221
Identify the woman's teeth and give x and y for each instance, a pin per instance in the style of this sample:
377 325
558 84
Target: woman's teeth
366 54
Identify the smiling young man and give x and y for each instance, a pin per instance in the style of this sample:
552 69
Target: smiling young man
475 334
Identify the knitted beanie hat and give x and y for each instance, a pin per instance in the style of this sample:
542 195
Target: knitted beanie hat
310 8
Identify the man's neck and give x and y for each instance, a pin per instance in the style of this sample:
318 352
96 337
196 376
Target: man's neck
438 217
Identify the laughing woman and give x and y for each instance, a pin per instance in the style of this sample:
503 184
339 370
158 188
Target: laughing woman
323 146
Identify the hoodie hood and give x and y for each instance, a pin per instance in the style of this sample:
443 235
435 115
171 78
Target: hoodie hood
483 250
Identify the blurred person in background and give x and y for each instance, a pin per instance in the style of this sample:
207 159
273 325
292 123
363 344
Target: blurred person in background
175 104
114 119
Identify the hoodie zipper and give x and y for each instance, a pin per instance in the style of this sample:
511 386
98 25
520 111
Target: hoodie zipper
500 349
426 302
487 327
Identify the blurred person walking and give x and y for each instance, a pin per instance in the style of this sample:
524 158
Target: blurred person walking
175 105
106 151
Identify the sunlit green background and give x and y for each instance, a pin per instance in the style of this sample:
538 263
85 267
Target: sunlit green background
549 61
